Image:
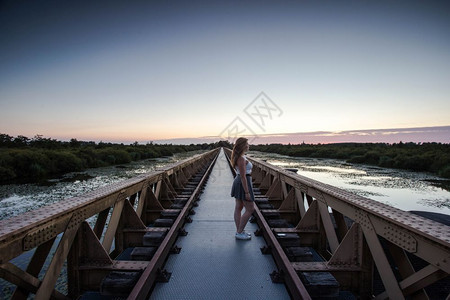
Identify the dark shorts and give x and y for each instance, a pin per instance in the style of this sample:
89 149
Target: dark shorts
237 190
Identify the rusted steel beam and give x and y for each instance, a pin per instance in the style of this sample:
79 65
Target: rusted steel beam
112 226
147 229
289 203
128 219
347 257
26 281
342 228
117 265
86 249
54 269
417 281
34 267
293 282
321 266
405 267
100 222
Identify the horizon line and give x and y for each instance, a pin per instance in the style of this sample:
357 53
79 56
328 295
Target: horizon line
385 132
386 135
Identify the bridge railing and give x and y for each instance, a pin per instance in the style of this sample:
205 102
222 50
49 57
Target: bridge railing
119 213
353 234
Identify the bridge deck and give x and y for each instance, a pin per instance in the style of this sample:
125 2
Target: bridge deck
212 264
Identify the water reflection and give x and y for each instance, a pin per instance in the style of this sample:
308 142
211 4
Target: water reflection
398 188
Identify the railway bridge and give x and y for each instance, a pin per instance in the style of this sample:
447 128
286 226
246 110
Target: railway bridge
169 234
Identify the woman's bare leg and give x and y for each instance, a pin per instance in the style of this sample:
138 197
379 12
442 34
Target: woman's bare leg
237 212
249 209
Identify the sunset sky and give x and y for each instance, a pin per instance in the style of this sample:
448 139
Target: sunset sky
151 70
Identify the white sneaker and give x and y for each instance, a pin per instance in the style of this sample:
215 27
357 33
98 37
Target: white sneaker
249 234
242 236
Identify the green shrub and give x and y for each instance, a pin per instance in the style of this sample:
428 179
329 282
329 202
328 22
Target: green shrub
151 154
445 172
64 161
386 161
371 158
114 156
29 163
359 159
89 157
7 174
37 171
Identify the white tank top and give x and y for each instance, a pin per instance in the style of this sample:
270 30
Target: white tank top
248 167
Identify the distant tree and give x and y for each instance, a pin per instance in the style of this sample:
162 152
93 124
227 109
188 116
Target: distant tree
225 144
40 142
6 140
74 143
21 141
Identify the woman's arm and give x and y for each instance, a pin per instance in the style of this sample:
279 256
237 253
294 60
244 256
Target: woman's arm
242 167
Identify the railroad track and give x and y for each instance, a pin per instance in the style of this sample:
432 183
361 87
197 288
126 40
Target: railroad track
158 242
160 239
265 215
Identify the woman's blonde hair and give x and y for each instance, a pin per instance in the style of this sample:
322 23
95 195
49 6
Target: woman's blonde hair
238 150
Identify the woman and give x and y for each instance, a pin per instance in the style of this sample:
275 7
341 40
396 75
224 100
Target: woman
242 188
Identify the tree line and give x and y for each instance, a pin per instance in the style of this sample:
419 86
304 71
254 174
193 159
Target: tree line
33 159
422 157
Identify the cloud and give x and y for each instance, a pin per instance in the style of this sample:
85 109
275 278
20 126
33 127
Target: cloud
440 134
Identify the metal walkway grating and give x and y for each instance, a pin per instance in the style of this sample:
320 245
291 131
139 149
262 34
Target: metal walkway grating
212 264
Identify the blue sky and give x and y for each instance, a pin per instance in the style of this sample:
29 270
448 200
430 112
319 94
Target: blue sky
147 70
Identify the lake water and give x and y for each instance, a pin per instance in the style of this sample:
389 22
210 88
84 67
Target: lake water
401 189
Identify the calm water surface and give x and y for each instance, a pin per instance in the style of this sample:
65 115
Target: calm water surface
401 189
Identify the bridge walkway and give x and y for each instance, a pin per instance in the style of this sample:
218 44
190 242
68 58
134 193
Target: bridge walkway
212 263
